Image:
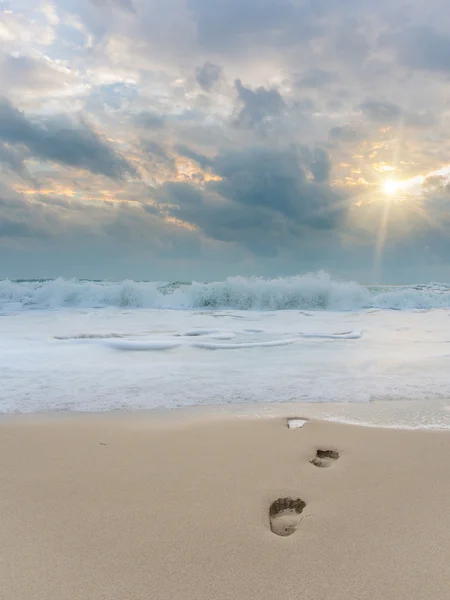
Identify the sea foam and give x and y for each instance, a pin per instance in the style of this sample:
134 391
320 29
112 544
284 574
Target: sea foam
314 291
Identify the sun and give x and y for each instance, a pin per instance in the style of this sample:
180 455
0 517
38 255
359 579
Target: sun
391 187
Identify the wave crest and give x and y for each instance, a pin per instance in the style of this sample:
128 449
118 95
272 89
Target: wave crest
314 291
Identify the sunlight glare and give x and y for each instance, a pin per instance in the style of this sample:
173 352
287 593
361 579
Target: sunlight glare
391 186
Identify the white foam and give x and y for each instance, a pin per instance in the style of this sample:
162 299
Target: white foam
296 423
168 344
348 335
134 345
215 334
89 336
402 355
200 332
239 346
316 291
224 335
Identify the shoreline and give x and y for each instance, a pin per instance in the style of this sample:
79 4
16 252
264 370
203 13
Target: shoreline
402 415
136 507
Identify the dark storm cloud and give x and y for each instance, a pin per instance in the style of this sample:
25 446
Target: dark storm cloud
208 75
156 156
265 200
257 104
46 218
156 150
13 159
21 218
76 147
320 166
10 228
82 239
420 47
260 178
278 180
200 159
224 220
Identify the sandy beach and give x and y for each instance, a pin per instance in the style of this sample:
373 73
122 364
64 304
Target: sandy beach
130 507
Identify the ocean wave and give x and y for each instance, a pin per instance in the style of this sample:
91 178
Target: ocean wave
314 291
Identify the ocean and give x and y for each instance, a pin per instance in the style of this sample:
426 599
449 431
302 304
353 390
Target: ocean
376 355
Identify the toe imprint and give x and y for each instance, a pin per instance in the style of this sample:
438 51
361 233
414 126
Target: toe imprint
284 515
324 458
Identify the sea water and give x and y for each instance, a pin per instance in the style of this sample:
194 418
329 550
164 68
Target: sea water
321 348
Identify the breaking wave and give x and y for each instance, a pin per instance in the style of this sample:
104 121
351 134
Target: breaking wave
315 291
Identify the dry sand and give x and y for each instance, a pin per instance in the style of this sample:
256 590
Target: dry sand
137 508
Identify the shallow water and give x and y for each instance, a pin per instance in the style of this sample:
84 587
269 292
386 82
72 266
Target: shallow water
112 358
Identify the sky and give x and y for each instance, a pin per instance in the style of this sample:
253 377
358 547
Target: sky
198 139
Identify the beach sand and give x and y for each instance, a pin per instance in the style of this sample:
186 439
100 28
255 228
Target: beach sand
131 507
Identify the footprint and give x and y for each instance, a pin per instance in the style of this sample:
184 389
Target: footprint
324 458
284 515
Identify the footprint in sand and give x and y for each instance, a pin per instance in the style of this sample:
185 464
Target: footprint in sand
324 458
284 515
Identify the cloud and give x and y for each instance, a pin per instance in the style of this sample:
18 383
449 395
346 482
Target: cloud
77 147
208 75
416 225
320 166
36 80
200 159
15 229
150 120
258 178
350 43
117 96
158 154
381 112
227 108
344 133
222 220
388 113
30 74
314 78
223 23
258 104
282 193
49 237
420 47
23 29
20 218
126 5
14 160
